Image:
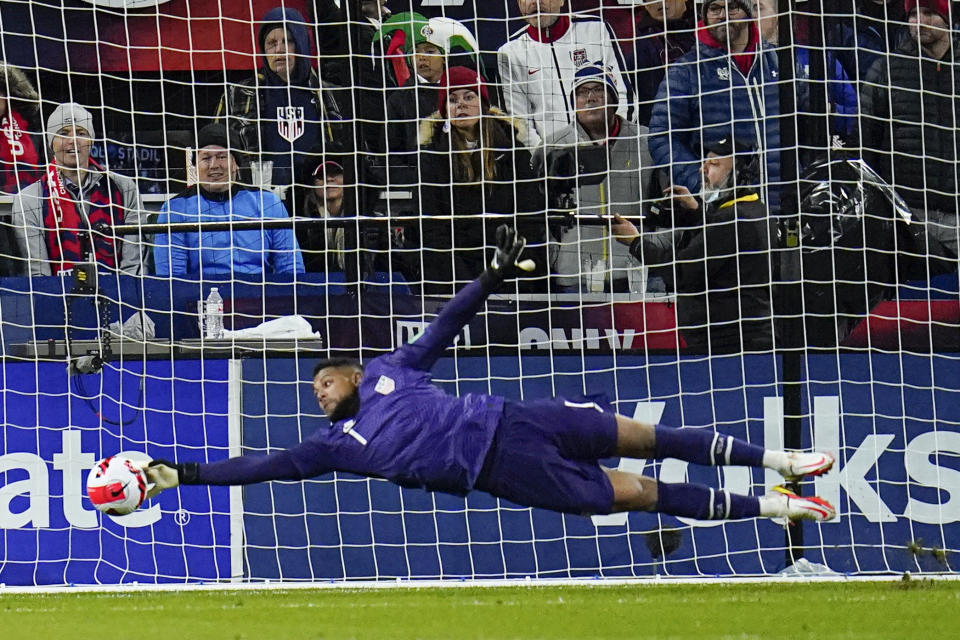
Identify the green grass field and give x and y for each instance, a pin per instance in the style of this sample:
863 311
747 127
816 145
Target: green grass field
914 609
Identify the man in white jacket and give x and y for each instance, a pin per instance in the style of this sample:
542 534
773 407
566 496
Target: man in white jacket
537 66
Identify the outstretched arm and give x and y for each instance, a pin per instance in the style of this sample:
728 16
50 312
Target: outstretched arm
305 460
424 351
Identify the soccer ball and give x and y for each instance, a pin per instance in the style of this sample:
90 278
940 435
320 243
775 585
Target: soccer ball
116 486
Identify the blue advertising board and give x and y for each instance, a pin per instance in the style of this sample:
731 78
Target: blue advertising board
894 422
893 419
51 437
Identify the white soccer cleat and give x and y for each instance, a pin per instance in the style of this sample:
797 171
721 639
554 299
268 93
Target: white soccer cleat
794 507
802 463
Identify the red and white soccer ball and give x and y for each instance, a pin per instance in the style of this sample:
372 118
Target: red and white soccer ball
116 486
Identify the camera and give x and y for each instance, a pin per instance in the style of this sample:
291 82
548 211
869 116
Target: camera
659 212
90 363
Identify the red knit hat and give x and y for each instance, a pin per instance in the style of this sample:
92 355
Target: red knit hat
939 6
460 78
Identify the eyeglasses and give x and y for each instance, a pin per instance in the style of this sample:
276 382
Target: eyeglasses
592 91
717 8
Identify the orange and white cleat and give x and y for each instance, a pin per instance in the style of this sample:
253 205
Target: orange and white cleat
784 503
802 464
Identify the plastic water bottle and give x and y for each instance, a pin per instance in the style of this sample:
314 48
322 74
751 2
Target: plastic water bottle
213 315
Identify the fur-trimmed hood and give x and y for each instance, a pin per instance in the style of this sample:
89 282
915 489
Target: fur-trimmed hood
433 123
15 86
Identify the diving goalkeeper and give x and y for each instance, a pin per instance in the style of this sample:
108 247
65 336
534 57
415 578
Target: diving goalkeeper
388 420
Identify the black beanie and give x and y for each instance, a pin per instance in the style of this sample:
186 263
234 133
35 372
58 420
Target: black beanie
218 135
727 146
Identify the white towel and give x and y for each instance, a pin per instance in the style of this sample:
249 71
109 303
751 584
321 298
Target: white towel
285 328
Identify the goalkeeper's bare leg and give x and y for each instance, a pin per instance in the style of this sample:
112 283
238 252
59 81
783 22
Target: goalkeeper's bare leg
632 492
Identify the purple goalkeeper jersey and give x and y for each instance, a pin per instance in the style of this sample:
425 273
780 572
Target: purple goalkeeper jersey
407 430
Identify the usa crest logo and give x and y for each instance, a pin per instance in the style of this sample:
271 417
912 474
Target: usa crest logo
13 133
290 122
579 57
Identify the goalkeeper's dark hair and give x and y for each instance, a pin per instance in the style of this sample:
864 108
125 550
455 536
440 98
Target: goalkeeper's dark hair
337 363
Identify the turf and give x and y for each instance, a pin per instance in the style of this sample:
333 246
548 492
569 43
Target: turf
835 610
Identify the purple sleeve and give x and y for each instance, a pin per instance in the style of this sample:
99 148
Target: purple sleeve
305 460
424 351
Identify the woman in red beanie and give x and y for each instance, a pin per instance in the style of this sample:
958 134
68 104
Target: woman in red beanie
941 7
473 162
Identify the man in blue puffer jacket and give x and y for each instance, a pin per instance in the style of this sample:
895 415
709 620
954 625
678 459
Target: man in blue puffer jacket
841 91
725 87
218 197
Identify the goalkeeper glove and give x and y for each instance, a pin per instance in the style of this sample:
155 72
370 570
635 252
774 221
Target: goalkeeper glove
506 261
163 474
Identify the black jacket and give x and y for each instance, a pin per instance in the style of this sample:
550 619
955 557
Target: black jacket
9 254
326 247
655 48
350 58
514 192
908 126
720 270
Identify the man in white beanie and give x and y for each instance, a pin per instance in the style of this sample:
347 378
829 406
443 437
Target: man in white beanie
609 157
68 215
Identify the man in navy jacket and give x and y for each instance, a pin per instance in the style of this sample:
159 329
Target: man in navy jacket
389 420
285 112
724 88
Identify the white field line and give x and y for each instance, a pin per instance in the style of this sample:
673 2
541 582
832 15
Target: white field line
457 584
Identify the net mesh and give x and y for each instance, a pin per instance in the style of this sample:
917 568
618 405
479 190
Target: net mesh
367 160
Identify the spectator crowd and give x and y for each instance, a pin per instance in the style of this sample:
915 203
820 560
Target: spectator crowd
659 153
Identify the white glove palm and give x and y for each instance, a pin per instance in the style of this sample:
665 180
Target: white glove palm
506 260
160 475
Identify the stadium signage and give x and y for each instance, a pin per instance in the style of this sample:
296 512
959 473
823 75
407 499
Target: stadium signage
35 490
577 339
410 330
536 338
852 471
852 474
